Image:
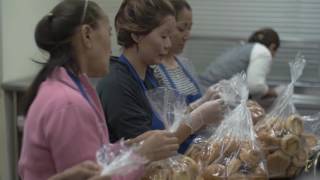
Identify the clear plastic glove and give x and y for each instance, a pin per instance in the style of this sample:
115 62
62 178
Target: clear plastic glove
207 113
212 93
83 171
157 145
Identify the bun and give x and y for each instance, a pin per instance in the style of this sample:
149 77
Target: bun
290 144
294 124
278 162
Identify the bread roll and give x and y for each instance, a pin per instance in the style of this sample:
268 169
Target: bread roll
250 157
294 124
259 173
300 159
268 139
190 166
290 144
214 172
278 162
181 175
233 166
257 112
292 171
230 145
310 139
238 176
157 172
213 152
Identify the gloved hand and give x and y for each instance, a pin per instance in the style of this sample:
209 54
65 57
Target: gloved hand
82 171
207 113
212 93
157 145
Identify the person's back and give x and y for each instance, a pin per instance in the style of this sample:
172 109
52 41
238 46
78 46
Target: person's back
232 61
254 58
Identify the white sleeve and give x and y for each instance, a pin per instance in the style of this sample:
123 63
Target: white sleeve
258 69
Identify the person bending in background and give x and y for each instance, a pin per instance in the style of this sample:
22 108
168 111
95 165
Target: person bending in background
65 124
254 58
143 30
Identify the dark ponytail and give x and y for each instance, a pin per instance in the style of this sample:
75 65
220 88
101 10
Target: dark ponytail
265 36
53 34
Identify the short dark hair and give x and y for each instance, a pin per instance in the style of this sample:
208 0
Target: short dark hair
265 36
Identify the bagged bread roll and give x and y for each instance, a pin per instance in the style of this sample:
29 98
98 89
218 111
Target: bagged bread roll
240 154
281 132
250 157
278 163
290 144
214 172
294 124
233 166
176 168
257 111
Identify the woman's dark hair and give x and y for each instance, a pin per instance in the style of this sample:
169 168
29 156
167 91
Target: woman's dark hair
265 36
140 17
179 5
53 34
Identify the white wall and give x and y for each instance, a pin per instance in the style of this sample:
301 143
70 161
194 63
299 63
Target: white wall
2 137
18 20
111 7
2 133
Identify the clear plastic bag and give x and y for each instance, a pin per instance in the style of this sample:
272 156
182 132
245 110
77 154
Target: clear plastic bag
281 133
312 131
119 160
233 151
229 91
171 107
257 111
175 168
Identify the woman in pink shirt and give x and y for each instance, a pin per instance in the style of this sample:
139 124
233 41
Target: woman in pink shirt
65 124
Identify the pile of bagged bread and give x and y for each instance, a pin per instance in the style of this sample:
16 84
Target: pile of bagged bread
285 145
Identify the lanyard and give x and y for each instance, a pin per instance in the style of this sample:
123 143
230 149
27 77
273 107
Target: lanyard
77 81
149 75
156 122
164 70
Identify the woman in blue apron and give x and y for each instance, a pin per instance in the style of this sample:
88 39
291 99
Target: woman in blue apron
176 72
145 42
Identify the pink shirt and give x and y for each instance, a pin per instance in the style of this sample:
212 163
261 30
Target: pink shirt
62 129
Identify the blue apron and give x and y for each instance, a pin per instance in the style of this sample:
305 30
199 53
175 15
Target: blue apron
189 99
156 122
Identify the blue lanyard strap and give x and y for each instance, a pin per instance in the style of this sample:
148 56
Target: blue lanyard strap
164 70
149 75
79 85
77 81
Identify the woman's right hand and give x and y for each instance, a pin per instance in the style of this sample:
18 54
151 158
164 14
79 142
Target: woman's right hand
212 93
157 145
207 113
